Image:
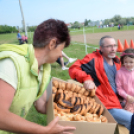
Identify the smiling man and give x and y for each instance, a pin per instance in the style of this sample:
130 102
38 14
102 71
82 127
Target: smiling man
97 70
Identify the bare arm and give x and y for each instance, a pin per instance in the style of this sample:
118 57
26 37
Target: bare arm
14 123
40 104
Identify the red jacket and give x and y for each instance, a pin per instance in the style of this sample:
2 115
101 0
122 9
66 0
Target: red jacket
91 67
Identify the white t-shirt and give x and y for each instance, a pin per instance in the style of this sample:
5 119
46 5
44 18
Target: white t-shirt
8 72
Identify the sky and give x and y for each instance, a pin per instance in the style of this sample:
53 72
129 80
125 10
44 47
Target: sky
36 11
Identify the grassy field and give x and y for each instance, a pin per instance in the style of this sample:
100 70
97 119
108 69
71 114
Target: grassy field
99 30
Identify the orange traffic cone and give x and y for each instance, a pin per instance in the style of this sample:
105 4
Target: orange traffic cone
126 46
132 44
120 47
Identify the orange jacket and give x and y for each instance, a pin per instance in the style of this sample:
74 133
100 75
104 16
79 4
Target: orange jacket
91 67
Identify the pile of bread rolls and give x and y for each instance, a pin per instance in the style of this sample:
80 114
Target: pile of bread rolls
74 103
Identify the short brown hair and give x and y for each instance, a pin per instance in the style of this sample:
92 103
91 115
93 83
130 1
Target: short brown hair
51 29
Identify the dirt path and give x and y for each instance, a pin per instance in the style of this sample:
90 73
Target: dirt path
95 37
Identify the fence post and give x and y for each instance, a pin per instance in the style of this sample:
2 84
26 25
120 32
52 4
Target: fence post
93 29
85 40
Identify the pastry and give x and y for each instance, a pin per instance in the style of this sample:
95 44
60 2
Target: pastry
86 93
78 101
77 117
62 85
90 105
82 90
65 91
83 109
54 105
85 101
77 89
81 100
75 94
61 113
70 116
59 91
89 117
79 95
103 119
91 99
58 97
54 90
100 110
53 96
96 109
65 104
76 109
83 118
73 100
55 83
55 111
61 108
64 118
73 86
66 97
86 109
92 93
92 108
68 86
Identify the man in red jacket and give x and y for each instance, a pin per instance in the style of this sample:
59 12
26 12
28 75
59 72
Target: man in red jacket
97 70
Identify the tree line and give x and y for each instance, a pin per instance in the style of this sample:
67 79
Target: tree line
116 20
7 29
13 29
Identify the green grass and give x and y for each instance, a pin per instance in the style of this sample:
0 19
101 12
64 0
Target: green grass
74 51
99 30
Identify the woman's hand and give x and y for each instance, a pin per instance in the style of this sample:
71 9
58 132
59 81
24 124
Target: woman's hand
54 128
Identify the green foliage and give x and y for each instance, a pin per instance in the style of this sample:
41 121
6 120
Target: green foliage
86 22
76 24
31 28
117 19
7 29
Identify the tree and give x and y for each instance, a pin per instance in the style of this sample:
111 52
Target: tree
117 18
76 25
122 21
86 22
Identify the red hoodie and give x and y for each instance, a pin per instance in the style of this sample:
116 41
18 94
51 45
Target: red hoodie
91 67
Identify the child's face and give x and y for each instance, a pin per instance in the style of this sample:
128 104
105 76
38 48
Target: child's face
128 63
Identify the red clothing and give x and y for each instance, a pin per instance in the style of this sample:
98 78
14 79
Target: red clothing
91 68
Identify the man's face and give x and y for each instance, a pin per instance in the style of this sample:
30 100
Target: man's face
108 48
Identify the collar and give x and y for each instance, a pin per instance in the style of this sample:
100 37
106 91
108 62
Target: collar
33 61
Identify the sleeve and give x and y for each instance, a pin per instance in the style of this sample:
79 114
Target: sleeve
76 72
118 81
8 72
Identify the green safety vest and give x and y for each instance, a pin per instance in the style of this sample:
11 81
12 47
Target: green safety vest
27 71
